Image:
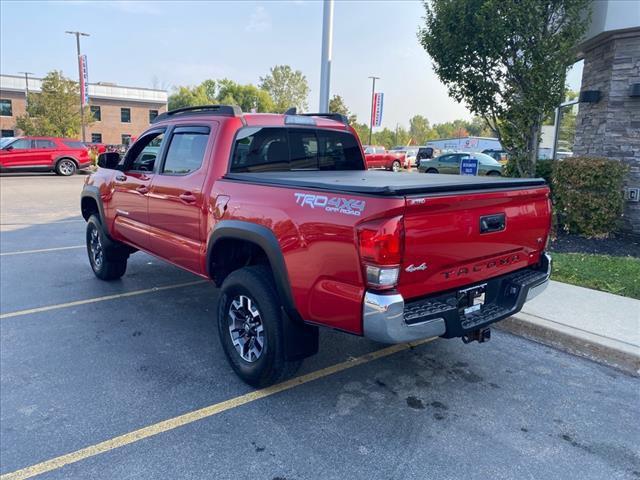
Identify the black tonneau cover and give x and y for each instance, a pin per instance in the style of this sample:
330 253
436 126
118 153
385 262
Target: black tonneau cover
383 183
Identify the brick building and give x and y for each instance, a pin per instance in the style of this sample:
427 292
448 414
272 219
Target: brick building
120 112
608 121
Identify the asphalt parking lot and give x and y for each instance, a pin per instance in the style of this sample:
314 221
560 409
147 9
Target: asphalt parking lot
128 380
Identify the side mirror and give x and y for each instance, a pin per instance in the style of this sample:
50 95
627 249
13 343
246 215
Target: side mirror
109 160
8 148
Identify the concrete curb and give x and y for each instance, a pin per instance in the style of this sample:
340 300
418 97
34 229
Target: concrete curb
619 355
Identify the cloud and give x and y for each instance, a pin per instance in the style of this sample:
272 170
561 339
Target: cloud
260 21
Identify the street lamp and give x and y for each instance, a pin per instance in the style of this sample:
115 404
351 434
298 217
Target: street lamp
26 85
373 92
78 35
325 64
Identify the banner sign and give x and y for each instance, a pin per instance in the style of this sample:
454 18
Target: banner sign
376 114
84 80
469 166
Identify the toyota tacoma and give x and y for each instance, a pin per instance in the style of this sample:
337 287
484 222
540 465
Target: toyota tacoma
280 212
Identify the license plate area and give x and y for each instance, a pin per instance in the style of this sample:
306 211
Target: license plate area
471 299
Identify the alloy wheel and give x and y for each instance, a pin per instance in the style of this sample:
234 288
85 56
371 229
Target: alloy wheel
66 167
246 328
95 247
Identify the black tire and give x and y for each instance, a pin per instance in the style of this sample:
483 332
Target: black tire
66 167
432 170
270 366
494 173
395 166
108 260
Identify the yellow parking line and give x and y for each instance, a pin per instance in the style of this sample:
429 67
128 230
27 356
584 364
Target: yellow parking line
96 299
41 250
211 410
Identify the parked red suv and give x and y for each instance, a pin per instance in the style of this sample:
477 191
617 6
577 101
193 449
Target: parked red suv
61 155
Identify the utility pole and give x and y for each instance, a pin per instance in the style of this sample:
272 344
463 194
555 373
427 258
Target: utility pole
327 47
78 34
373 91
26 87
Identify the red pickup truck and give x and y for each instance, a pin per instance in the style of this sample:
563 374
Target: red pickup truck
281 213
380 157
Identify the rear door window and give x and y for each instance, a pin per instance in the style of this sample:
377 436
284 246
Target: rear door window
186 150
44 144
265 149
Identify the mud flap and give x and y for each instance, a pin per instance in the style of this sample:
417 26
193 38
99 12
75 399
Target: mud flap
300 339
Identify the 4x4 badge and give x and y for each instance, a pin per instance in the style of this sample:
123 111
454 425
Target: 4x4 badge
412 268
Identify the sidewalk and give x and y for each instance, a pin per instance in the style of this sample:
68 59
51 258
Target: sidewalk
598 325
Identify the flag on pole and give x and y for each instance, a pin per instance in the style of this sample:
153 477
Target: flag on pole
376 121
84 80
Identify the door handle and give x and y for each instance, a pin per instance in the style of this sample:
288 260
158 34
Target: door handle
188 197
142 189
121 178
492 223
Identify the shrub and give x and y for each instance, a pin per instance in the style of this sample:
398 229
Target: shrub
588 195
544 169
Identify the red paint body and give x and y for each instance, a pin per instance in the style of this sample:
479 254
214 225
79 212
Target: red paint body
320 249
379 157
42 153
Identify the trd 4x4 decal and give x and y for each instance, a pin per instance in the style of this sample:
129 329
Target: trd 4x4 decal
346 206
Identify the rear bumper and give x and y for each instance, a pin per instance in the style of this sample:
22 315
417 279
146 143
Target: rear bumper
388 319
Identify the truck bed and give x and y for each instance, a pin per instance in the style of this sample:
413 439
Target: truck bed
383 183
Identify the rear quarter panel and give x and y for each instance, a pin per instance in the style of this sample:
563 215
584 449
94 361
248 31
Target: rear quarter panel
319 247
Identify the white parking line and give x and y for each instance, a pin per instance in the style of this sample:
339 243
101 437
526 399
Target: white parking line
41 250
29 311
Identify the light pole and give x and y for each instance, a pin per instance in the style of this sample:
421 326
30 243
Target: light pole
78 34
26 87
325 65
373 91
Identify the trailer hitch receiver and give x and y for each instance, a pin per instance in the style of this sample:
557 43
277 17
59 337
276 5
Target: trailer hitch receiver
481 335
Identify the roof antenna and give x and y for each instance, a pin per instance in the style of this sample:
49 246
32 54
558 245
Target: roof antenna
291 111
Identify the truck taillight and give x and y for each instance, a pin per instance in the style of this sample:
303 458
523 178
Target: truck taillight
381 248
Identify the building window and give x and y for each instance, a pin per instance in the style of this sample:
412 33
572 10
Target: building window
96 113
7 133
126 138
152 115
5 108
96 138
125 115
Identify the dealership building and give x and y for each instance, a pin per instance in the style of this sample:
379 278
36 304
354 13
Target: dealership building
608 121
120 113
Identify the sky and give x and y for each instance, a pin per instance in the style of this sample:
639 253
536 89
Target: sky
168 43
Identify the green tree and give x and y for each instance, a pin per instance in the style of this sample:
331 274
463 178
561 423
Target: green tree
477 127
54 112
225 91
510 64
288 88
247 97
338 105
192 96
419 129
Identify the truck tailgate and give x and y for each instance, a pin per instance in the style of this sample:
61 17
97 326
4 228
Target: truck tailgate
457 240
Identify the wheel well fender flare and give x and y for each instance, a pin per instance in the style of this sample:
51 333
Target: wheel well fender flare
264 238
301 339
91 192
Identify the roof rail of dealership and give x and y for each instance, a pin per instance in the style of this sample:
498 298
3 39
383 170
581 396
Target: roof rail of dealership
105 90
